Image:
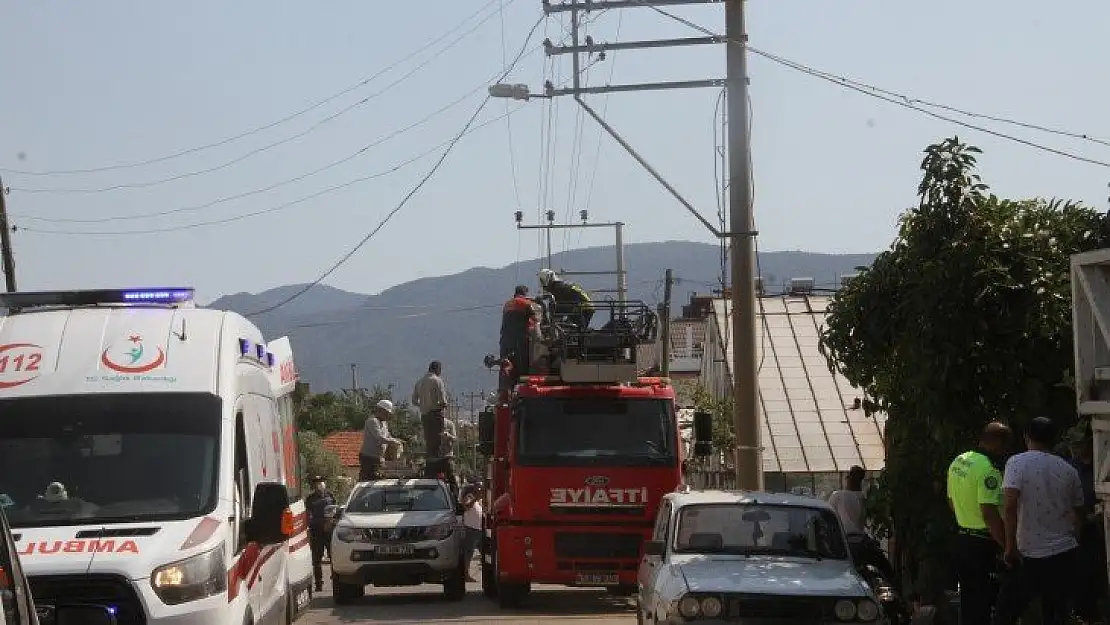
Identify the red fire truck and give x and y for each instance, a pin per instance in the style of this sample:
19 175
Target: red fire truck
580 452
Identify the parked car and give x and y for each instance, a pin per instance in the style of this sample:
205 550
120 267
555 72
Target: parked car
398 532
17 606
720 557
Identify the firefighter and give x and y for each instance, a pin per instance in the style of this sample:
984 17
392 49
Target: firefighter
519 323
572 302
316 504
975 497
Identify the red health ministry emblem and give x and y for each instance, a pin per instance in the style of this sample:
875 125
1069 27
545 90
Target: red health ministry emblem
133 357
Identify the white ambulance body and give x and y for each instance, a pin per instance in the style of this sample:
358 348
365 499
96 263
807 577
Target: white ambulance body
148 458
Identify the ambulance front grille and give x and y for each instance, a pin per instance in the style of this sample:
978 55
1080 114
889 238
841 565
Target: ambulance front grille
106 590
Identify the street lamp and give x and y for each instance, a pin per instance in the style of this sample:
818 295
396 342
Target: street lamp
514 92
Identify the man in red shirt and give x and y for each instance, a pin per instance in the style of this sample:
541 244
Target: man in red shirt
518 323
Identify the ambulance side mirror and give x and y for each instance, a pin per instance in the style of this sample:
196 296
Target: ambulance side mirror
487 427
703 434
267 525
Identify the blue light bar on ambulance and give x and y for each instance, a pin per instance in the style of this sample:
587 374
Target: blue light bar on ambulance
38 299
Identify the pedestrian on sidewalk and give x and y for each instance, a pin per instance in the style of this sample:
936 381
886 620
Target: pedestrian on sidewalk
316 504
472 520
1043 512
975 497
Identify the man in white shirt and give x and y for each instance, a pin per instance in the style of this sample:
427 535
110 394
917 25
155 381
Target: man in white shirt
848 503
1043 507
375 436
472 519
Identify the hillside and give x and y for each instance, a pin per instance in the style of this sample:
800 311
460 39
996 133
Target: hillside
391 336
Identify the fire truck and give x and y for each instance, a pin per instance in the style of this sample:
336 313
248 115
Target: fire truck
580 449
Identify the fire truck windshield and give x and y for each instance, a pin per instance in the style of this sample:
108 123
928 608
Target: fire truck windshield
595 431
108 457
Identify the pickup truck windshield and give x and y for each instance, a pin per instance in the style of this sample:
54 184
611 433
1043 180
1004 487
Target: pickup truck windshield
83 459
605 431
371 499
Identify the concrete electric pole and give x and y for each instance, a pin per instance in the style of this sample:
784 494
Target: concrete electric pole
6 254
741 234
665 321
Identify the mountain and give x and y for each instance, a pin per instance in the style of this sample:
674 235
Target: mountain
393 335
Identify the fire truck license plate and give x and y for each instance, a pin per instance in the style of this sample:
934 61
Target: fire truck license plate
598 579
395 550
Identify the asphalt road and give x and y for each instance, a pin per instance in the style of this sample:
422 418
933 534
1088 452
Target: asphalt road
423 604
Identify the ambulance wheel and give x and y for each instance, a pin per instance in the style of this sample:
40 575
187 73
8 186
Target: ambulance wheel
344 594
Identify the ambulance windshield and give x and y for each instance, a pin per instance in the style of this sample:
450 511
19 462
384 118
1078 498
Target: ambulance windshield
595 431
108 458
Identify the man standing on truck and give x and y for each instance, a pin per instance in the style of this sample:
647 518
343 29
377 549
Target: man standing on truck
316 505
444 463
519 323
975 497
375 436
572 302
430 396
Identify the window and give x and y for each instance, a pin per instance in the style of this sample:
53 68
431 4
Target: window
609 431
88 459
760 529
662 520
377 498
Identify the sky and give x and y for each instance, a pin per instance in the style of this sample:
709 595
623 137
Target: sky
271 141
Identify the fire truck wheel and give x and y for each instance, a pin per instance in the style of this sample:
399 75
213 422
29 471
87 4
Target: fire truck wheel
511 595
621 591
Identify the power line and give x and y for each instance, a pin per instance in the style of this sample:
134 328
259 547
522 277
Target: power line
905 101
410 194
278 207
315 126
430 311
247 133
331 165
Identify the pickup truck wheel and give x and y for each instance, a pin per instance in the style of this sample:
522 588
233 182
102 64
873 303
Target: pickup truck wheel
454 587
344 594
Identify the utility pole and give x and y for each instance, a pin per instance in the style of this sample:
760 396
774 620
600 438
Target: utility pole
354 381
745 373
741 234
665 331
6 254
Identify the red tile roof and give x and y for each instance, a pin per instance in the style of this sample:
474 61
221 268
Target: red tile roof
346 445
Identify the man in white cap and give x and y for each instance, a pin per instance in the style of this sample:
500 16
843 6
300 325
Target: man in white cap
375 436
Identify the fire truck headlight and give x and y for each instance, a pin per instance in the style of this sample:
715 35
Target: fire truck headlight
194 578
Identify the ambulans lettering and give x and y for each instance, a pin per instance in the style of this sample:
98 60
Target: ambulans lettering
51 547
288 372
599 496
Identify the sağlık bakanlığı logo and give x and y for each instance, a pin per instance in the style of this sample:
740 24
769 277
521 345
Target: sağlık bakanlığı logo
134 359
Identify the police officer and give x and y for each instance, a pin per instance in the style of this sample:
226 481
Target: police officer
975 497
316 504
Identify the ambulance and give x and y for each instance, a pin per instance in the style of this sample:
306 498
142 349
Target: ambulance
148 458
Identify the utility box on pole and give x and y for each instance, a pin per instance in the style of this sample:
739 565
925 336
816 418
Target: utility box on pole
1090 289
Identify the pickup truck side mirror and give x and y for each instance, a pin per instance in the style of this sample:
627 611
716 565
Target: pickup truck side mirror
271 519
654 548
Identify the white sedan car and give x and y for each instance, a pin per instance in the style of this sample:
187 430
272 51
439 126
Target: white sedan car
729 557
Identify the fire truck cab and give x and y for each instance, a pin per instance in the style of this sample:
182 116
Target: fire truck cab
580 452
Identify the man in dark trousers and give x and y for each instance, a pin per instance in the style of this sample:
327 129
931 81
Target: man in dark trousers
316 505
429 394
975 497
1092 544
518 323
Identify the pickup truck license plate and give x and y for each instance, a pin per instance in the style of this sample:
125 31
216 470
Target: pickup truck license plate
598 579
395 550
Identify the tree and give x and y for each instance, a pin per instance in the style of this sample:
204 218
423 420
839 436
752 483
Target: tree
965 319
316 460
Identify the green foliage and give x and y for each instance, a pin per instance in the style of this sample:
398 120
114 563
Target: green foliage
315 460
724 436
965 319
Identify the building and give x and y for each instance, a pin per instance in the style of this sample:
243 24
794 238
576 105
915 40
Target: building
687 341
812 426
346 445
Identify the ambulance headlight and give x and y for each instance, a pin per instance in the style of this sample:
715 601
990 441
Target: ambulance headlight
200 576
